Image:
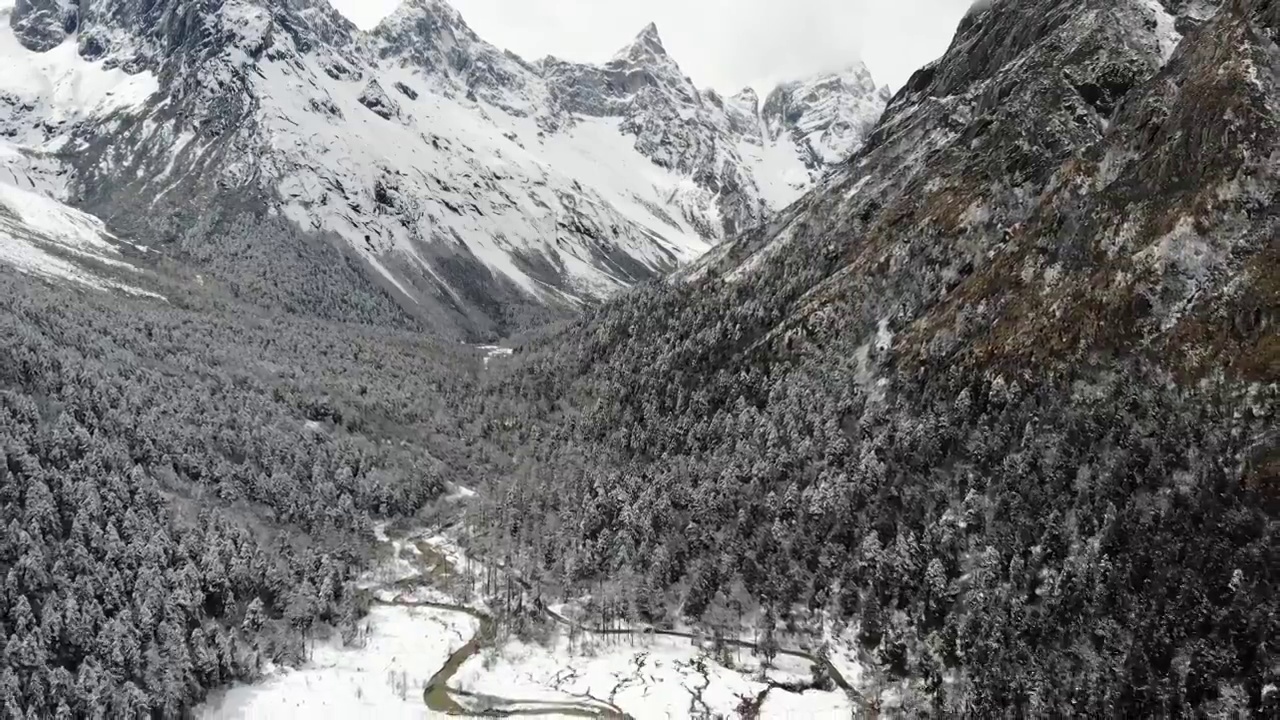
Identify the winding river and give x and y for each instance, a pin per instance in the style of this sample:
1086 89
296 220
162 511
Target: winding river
441 698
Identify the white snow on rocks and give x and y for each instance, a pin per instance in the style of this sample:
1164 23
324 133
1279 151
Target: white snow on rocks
444 170
252 23
44 95
1166 33
420 144
828 114
60 86
38 233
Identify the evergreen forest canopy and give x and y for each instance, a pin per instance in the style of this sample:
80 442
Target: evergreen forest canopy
1000 399
940 406
186 491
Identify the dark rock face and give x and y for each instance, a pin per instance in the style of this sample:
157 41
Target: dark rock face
1063 182
42 25
1061 187
375 98
406 91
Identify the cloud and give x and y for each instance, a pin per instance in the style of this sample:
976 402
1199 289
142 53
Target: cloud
726 44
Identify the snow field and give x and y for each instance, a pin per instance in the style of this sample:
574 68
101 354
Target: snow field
384 679
31 225
655 677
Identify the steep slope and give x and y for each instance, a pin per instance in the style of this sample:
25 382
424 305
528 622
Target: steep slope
45 238
1004 211
217 469
999 396
266 143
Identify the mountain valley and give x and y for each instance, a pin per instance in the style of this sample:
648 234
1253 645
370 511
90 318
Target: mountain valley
388 372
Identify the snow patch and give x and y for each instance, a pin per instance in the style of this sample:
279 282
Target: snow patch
64 87
1166 34
31 226
460 493
250 23
779 170
810 704
655 677
493 351
884 338
386 678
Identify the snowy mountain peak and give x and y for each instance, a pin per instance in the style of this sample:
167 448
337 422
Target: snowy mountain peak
466 182
415 12
828 114
646 46
650 37
431 33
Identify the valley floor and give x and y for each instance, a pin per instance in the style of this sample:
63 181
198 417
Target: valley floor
383 679
425 653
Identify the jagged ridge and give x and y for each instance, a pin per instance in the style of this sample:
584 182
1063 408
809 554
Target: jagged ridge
466 180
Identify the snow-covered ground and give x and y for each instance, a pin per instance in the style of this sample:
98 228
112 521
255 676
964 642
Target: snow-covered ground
781 173
645 677
400 562
490 352
60 86
811 704
33 227
384 679
656 677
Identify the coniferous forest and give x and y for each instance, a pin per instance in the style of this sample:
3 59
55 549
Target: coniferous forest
186 492
1073 544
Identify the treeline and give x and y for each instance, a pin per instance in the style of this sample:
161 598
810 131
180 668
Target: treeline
186 494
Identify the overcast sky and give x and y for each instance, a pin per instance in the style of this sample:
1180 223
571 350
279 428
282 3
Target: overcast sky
725 44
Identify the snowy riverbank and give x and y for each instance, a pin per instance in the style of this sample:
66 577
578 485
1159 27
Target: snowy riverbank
405 647
384 679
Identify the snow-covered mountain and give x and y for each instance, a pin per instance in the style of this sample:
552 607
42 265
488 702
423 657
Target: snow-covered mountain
827 116
259 140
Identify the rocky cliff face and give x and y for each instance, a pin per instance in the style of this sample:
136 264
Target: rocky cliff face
1068 179
470 185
